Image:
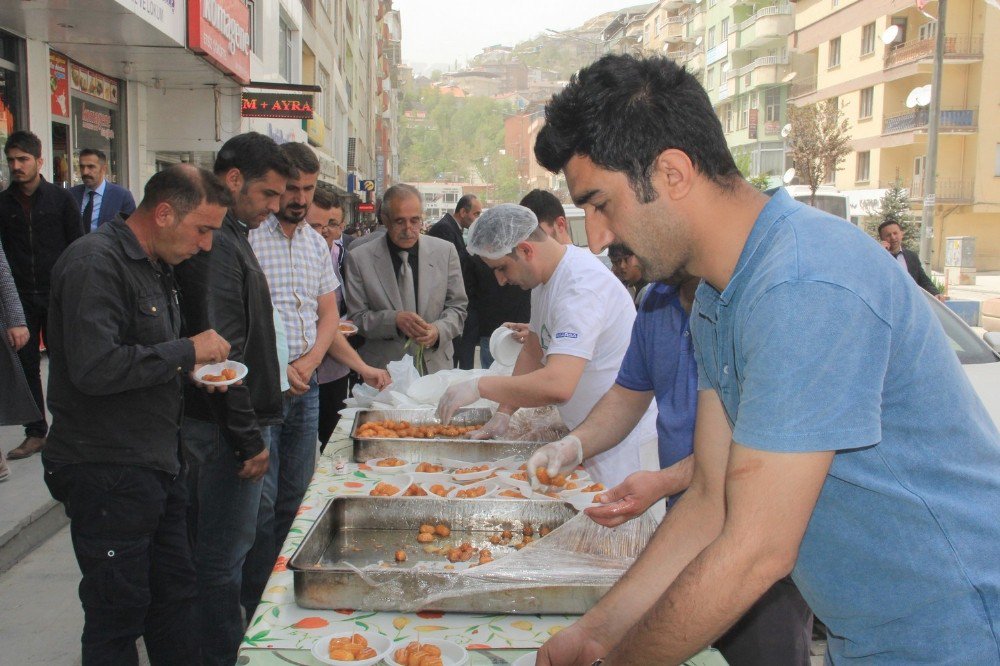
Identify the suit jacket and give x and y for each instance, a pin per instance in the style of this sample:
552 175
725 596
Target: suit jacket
916 271
373 300
448 228
116 200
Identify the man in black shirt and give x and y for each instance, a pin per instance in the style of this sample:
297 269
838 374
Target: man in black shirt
38 220
116 376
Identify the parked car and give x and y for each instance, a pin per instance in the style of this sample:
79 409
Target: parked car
980 360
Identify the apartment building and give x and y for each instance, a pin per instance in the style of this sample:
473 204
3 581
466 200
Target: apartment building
839 52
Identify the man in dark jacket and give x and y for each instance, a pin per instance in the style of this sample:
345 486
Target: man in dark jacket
117 364
450 228
38 220
891 235
225 289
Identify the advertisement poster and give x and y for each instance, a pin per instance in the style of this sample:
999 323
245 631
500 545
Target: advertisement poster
59 84
93 83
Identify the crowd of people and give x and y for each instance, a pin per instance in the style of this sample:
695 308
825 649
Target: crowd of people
746 373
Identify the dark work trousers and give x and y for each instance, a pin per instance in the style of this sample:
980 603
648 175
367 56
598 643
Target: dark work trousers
36 311
776 630
331 400
130 539
465 346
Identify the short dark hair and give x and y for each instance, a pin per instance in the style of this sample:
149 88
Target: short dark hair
397 191
254 155
465 202
622 112
544 205
326 199
99 154
618 251
26 141
184 187
888 223
301 158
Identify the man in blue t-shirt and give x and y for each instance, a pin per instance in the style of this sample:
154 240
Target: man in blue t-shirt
837 437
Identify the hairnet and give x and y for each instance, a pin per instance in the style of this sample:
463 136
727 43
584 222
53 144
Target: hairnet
499 229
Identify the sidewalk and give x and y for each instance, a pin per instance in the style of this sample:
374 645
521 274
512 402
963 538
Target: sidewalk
28 514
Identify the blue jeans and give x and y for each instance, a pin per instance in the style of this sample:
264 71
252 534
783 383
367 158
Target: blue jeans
485 357
294 447
222 519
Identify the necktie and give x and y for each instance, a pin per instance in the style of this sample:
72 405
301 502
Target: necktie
405 281
338 256
88 211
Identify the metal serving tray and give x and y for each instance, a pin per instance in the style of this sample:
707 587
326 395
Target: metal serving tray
433 450
366 531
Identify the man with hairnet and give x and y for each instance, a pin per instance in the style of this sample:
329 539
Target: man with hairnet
581 324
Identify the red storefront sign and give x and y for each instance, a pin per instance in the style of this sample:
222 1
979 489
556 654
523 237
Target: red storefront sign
58 84
219 30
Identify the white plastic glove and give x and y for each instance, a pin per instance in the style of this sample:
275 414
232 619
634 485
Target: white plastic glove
456 397
556 457
494 428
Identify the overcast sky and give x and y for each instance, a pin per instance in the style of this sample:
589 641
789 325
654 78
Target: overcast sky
442 31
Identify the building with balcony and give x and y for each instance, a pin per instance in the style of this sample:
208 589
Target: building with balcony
840 54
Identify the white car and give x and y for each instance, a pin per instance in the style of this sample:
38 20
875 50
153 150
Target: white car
980 360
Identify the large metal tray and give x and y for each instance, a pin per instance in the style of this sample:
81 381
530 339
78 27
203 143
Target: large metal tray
433 450
365 531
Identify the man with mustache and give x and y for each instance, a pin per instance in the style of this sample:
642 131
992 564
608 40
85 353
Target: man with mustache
101 201
38 220
404 286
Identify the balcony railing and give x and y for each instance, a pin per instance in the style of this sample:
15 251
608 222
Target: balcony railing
948 120
676 19
955 46
759 62
773 10
945 190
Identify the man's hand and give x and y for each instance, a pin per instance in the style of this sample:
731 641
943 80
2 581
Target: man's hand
411 324
495 427
375 377
457 396
254 468
556 457
210 347
941 297
430 338
17 336
628 499
520 331
209 388
296 384
306 367
885 244
572 646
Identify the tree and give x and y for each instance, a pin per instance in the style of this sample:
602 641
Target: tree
744 163
894 206
818 143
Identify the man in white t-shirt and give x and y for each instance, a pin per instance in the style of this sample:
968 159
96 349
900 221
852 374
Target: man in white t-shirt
581 324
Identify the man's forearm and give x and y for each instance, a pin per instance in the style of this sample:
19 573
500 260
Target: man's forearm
693 523
326 326
612 419
527 362
341 351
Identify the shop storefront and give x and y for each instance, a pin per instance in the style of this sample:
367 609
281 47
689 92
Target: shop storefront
12 92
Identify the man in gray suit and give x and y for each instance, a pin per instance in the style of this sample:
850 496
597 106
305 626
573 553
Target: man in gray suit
405 286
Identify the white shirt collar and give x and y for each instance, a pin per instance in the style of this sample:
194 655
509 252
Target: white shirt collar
99 190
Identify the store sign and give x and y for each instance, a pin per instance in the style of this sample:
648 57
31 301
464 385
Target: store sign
294 106
366 208
754 119
93 83
167 16
315 132
219 30
58 84
97 119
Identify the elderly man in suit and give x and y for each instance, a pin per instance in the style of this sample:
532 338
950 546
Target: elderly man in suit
405 286
99 200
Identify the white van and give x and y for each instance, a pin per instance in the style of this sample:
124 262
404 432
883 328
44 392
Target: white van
828 198
578 231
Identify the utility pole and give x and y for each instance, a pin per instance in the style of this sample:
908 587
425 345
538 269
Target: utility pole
930 171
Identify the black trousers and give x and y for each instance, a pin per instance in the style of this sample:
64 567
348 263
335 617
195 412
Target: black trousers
465 345
331 400
130 539
36 312
777 630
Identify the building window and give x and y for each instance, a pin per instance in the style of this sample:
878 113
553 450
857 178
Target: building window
710 78
285 49
712 3
744 105
711 37
867 102
254 26
901 35
724 28
868 39
723 74
834 60
864 167
727 111
325 97
996 162
656 25
927 31
772 105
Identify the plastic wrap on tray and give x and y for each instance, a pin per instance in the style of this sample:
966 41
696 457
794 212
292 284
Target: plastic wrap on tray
578 553
536 424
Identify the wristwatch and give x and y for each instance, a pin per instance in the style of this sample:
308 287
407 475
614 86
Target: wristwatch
597 662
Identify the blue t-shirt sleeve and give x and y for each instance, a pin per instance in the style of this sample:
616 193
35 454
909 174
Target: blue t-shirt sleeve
634 373
814 362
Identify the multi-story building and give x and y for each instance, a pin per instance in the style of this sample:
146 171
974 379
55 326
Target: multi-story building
841 53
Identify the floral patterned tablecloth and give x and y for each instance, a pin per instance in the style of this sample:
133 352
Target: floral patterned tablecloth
281 632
